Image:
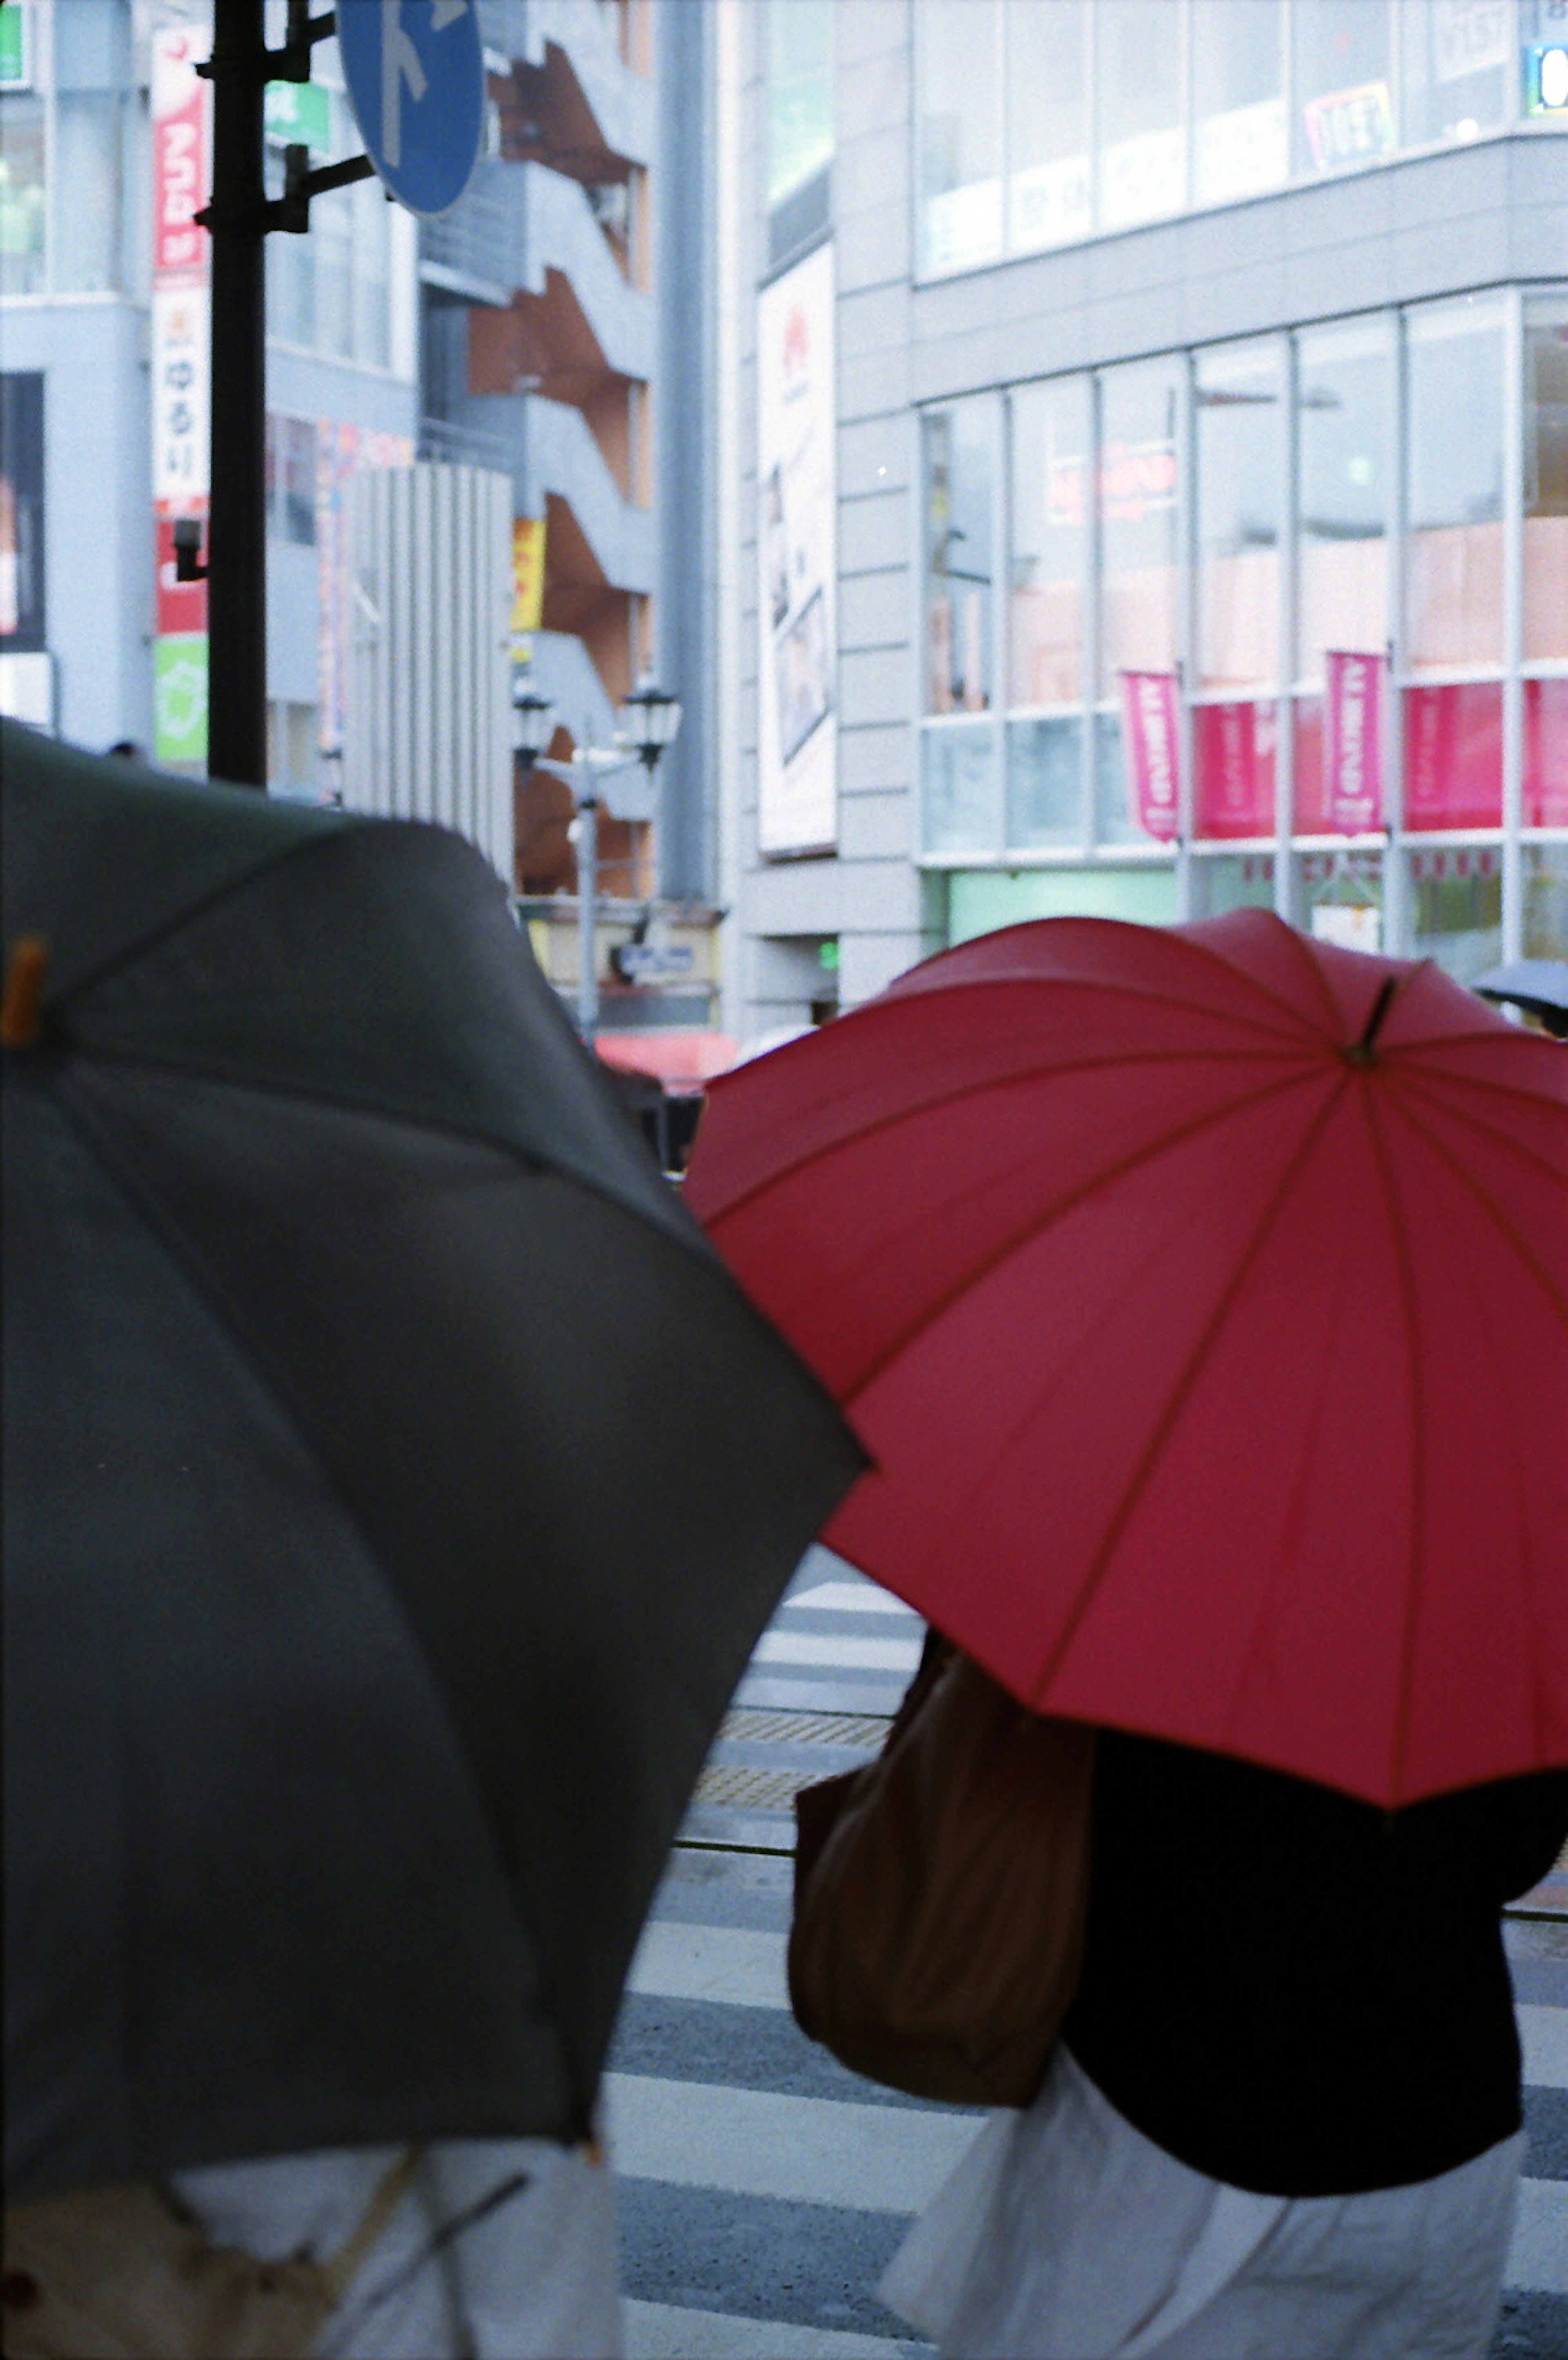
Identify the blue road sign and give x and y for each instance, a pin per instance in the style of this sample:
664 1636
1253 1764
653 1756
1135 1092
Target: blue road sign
415 71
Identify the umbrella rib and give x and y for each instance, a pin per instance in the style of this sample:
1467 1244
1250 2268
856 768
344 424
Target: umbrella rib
1483 1195
1190 1127
1176 1400
875 1125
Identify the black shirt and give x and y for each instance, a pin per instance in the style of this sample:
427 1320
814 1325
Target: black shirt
1295 1992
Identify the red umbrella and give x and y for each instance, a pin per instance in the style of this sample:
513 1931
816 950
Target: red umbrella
1202 1295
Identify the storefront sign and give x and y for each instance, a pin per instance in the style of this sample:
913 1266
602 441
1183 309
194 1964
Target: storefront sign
181 377
1349 126
1150 728
798 544
1353 751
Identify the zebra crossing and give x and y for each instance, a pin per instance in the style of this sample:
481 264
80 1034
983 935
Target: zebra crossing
760 2188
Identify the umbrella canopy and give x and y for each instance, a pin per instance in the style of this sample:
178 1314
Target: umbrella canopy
395 1485
1537 985
1202 1293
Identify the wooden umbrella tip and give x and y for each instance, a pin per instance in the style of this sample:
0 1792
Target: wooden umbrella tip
21 1009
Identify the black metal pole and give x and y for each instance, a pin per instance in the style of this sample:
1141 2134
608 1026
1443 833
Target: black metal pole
236 580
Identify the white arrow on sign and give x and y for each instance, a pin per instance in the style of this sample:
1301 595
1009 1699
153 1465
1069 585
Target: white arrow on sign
400 64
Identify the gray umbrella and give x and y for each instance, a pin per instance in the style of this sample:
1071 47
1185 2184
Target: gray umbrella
1539 986
396 1486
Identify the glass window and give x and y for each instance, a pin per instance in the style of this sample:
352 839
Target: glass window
1048 185
23 242
799 121
1239 395
1044 782
960 450
960 133
1049 542
1546 901
1340 895
1141 156
1454 755
1138 484
1454 489
1546 478
1233 881
1241 136
1344 427
1234 750
22 513
1345 110
960 801
87 185
1457 909
1455 56
1546 753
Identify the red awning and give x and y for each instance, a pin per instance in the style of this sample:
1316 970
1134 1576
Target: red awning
682 1061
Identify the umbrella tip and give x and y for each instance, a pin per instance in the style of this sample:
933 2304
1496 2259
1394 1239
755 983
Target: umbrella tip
21 1008
1362 1053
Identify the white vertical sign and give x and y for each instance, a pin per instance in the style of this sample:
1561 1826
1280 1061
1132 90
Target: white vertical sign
797 550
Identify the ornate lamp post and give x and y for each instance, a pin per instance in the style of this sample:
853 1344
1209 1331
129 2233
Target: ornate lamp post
648 720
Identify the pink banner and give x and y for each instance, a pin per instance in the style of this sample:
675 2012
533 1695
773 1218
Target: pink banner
1233 758
1149 722
1454 755
1353 741
181 157
1546 753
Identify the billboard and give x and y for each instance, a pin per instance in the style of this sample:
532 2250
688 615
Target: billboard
797 554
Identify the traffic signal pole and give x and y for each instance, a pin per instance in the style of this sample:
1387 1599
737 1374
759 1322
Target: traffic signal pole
236 576
238 220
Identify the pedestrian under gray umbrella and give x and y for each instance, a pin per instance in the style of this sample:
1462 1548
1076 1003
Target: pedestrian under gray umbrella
396 1487
1539 986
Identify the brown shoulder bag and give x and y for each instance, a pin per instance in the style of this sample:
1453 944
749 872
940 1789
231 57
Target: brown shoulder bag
941 1893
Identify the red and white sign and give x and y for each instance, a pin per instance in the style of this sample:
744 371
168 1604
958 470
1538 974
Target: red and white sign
1353 741
182 376
1149 722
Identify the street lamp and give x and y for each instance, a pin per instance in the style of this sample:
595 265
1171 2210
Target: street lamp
648 720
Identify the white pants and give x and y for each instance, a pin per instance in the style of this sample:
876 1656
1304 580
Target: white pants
1064 2235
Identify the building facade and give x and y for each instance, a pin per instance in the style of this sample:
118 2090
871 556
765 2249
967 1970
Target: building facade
1182 519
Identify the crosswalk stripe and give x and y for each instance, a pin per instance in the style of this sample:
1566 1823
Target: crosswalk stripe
850 1598
757 2143
1543 2037
664 2331
712 1962
851 1655
1537 2258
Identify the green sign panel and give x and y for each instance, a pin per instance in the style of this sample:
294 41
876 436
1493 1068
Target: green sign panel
299 115
180 698
15 46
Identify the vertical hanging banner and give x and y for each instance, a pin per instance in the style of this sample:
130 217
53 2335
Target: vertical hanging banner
527 584
797 546
1353 740
1150 725
182 360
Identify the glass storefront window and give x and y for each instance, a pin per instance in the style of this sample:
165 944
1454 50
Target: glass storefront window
1546 753
1455 60
1456 908
1454 755
1224 881
1240 455
1338 898
1049 182
1546 900
960 133
1234 753
24 244
959 791
1455 484
1115 821
1044 782
1344 428
1345 108
960 483
1546 477
1241 135
799 121
1138 480
1050 476
1142 148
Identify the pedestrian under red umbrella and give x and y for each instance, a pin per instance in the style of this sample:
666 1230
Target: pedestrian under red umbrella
1202 1295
